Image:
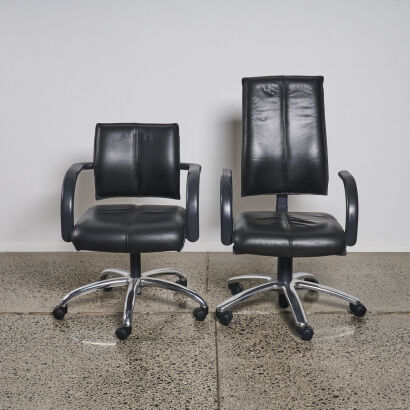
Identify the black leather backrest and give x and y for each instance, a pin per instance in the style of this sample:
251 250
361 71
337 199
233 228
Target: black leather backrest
136 160
284 136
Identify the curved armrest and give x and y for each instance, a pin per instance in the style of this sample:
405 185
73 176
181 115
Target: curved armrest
192 200
67 198
226 207
352 207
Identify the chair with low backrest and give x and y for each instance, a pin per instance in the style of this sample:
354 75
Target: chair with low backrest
134 160
284 152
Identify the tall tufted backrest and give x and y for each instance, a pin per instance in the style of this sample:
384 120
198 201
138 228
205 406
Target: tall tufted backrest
284 147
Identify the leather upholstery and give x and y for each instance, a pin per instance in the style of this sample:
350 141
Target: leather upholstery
137 160
284 152
67 198
192 200
226 207
130 229
352 207
288 234
284 136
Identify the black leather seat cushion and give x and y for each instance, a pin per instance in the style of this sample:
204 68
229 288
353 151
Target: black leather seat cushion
288 234
130 229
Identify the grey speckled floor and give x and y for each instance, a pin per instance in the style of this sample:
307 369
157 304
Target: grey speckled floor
171 361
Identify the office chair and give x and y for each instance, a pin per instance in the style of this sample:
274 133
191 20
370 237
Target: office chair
284 152
134 160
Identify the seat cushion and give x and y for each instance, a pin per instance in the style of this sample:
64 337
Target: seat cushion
288 234
130 229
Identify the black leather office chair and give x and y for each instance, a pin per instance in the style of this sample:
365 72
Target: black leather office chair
284 152
134 160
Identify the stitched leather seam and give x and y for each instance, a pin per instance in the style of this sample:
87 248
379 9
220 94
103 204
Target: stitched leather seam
284 137
126 236
285 217
130 220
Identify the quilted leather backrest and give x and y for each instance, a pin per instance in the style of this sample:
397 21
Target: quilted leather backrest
136 160
284 136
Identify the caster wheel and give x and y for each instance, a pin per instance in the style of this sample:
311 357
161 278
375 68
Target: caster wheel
200 313
235 288
313 280
108 289
224 317
358 310
59 312
305 333
283 302
123 332
182 282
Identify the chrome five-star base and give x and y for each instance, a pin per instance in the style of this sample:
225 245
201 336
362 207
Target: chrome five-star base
287 284
135 281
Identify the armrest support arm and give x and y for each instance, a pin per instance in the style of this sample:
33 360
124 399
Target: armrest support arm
67 198
192 200
352 207
226 207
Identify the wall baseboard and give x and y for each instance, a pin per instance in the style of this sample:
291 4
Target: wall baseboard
189 247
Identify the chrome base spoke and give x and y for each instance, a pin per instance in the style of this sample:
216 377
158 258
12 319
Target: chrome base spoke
134 285
295 304
163 272
132 291
300 284
301 275
246 294
288 290
250 278
91 287
175 287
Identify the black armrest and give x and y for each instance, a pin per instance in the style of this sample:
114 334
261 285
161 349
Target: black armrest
67 198
352 207
192 200
226 207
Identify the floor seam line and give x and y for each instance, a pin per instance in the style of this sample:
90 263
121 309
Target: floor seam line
217 367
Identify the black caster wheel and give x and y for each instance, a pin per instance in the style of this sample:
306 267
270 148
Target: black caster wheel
200 313
235 288
182 282
123 332
358 310
305 333
59 312
283 302
224 317
312 280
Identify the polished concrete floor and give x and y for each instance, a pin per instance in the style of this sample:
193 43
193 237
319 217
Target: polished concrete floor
170 361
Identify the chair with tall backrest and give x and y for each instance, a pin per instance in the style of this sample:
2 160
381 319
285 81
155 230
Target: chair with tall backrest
134 160
284 152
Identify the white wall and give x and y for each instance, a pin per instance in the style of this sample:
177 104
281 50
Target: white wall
66 65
